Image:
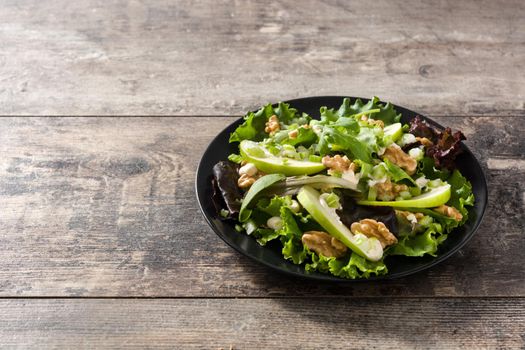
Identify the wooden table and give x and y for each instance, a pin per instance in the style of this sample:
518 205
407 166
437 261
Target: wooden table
101 240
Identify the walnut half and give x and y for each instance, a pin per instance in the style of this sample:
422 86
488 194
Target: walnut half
248 175
424 141
338 163
372 228
272 125
324 244
409 216
387 191
451 212
396 155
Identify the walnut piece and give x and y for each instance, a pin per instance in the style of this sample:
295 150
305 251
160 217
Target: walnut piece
406 215
396 155
388 190
379 123
324 244
272 125
245 181
338 163
372 228
410 217
449 211
424 141
248 175
371 121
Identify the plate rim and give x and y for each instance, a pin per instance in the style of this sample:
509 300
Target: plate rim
328 277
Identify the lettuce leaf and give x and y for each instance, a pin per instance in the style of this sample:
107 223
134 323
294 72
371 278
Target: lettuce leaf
461 194
397 174
386 111
293 248
273 206
236 158
420 244
426 167
352 266
226 193
254 123
253 126
446 144
348 143
265 235
289 115
290 234
305 137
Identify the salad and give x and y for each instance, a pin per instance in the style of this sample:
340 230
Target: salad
341 193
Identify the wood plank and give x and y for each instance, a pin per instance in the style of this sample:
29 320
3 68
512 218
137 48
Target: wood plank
264 324
106 207
214 58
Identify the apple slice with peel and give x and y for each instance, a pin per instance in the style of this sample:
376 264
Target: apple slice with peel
434 198
368 248
393 131
270 164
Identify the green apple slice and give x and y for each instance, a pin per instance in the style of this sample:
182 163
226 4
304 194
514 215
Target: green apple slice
270 164
368 248
434 198
393 132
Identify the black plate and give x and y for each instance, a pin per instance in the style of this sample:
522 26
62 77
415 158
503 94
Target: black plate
270 255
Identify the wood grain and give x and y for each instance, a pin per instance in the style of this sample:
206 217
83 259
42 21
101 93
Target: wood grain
337 323
106 207
224 57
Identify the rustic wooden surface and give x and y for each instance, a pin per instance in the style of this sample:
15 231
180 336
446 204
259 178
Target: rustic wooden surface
185 57
98 215
337 323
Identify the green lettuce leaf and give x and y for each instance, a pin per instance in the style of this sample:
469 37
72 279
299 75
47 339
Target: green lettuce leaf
305 137
351 267
426 167
254 123
273 206
289 115
420 244
461 194
236 158
291 234
397 174
264 235
253 126
342 133
348 143
386 111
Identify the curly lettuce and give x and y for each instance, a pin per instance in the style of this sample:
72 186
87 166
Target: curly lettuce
420 244
255 122
380 111
350 267
461 194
